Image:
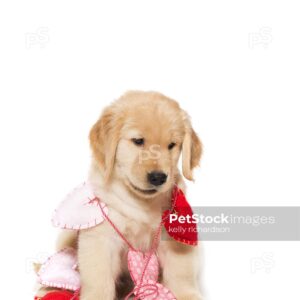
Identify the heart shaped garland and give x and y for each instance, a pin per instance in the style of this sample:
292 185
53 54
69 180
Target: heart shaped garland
80 210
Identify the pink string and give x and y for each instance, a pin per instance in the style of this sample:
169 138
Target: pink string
154 247
115 227
76 294
151 289
148 287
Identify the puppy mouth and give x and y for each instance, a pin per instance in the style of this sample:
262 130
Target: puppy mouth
147 192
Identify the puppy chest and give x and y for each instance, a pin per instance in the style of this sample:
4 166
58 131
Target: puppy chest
140 235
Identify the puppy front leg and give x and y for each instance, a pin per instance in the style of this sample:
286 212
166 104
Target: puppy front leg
180 266
99 263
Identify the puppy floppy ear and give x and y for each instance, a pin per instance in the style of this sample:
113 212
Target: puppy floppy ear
104 138
191 151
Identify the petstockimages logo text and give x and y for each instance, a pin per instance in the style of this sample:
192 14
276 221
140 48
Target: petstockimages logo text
238 223
221 219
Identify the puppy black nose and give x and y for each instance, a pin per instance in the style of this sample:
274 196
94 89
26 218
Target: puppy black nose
157 178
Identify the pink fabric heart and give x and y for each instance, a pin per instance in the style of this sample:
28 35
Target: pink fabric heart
136 263
149 288
79 210
59 271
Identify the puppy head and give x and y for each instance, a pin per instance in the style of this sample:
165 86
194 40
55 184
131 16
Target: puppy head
138 140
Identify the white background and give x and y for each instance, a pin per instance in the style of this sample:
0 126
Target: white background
233 65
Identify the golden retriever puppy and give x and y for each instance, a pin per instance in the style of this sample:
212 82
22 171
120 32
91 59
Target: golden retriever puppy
136 145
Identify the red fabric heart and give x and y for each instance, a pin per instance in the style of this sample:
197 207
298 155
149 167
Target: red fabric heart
182 232
58 295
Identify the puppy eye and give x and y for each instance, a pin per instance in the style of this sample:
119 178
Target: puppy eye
138 142
171 146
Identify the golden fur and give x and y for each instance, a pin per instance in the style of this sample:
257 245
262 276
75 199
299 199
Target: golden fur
119 172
